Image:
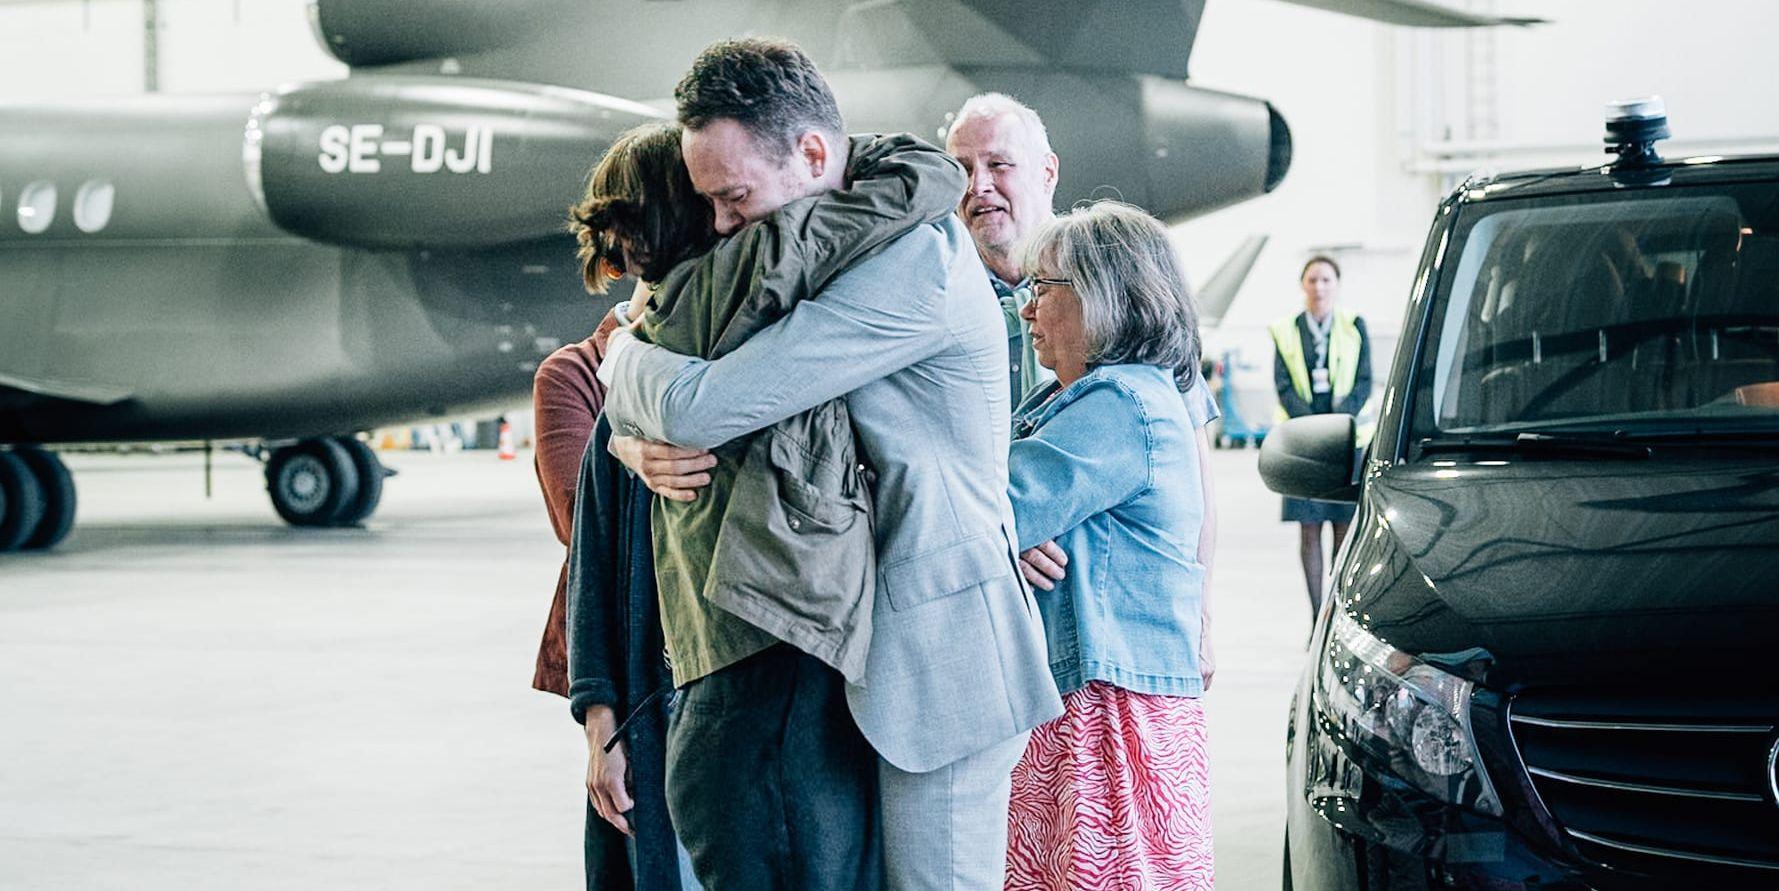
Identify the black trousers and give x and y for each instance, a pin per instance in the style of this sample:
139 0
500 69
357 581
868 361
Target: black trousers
769 781
605 858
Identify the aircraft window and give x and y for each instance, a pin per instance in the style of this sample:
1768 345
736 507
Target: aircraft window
37 206
92 204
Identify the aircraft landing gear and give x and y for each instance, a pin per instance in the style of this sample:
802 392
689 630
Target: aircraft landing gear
36 500
325 482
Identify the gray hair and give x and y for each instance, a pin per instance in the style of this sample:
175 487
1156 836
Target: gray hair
994 105
1135 305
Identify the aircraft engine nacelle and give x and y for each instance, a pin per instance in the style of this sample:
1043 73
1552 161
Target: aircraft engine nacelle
1173 149
418 162
1205 150
384 32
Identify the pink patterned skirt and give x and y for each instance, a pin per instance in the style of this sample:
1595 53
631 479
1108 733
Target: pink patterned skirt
1114 794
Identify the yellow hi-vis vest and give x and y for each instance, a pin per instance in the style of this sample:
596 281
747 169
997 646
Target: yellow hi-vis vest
1343 361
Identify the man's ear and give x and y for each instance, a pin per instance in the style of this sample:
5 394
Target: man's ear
1052 169
815 152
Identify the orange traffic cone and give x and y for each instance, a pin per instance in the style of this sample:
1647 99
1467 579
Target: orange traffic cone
507 452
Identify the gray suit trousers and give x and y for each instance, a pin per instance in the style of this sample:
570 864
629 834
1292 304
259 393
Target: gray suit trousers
946 829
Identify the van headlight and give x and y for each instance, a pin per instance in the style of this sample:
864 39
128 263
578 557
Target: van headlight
1410 718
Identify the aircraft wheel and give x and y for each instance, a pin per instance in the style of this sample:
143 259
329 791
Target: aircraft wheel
370 482
57 485
311 483
21 502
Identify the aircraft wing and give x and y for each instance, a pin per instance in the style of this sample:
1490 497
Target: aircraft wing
1414 13
35 389
1218 293
1139 36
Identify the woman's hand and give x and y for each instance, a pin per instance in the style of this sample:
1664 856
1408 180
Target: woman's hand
603 334
624 314
608 787
1043 566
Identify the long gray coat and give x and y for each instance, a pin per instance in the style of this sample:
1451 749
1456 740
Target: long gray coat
914 338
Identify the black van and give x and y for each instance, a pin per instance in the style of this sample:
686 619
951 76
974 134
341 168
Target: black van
1551 657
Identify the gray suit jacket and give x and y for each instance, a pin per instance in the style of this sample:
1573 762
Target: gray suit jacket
914 338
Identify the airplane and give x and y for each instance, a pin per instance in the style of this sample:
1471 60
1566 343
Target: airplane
293 267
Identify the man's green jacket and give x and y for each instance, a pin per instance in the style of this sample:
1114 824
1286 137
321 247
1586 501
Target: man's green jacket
780 545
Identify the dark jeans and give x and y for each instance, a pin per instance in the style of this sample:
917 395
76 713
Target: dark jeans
606 860
769 782
650 861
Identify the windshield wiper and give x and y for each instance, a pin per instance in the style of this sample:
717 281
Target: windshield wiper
1605 445
1703 438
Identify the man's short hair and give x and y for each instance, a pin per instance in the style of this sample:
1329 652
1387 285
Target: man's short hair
994 105
766 85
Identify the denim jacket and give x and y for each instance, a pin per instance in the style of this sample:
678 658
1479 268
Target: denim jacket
1108 468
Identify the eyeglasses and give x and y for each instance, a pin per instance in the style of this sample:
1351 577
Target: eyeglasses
1042 286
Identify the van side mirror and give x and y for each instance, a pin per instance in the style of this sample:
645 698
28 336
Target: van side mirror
1311 457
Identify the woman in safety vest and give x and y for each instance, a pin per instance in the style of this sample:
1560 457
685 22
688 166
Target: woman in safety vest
1321 365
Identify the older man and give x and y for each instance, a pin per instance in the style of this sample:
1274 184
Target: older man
957 673
1005 149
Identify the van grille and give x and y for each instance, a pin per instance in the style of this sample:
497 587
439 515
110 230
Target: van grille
1653 784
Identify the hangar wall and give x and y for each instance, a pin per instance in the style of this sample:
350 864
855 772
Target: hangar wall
1384 119
51 48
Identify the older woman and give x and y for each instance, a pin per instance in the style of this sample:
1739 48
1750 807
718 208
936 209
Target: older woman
1116 792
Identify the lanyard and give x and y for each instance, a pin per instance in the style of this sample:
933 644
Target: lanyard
1319 332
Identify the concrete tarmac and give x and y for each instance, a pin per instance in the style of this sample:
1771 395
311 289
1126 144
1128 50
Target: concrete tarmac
193 695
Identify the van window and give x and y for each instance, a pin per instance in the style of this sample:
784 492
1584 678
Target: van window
1658 306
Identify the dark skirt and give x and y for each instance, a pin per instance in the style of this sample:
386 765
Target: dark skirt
1302 510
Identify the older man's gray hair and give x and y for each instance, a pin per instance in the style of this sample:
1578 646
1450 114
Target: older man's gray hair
1135 305
994 105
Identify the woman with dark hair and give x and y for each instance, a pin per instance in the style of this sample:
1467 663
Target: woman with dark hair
1321 365
1115 793
567 397
766 579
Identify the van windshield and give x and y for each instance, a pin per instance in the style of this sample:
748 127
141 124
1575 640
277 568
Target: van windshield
1644 309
